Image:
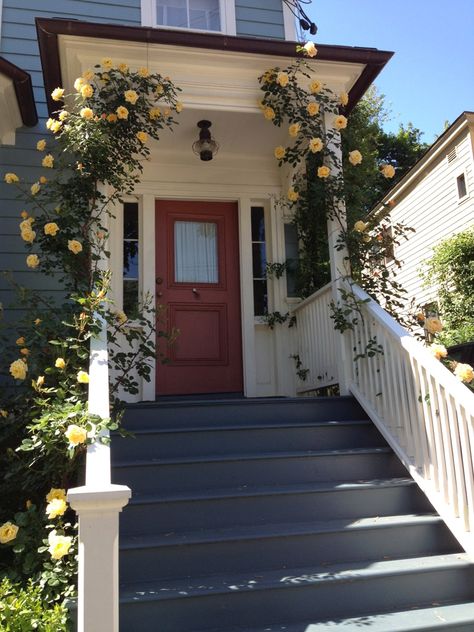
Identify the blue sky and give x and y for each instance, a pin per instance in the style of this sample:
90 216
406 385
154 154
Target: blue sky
430 79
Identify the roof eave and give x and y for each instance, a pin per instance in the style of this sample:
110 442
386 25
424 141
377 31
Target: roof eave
23 90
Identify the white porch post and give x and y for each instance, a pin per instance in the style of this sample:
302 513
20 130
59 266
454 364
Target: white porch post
339 261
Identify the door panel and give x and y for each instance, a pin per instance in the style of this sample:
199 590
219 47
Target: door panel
197 270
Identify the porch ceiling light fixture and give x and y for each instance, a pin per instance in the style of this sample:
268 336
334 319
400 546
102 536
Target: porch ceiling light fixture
206 147
304 21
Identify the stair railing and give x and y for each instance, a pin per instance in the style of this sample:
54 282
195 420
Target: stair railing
315 342
424 412
98 504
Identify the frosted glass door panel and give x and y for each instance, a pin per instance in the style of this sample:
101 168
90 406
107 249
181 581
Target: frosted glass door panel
195 252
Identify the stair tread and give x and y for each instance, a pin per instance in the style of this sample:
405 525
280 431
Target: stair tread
437 617
240 401
251 456
290 577
264 490
252 426
283 529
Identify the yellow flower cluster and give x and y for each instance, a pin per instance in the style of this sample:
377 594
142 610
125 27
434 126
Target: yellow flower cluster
154 113
131 96
294 129
55 493
343 98
292 195
51 228
74 246
355 157
86 113
388 171
312 108
323 172
41 145
48 161
464 372
19 369
438 351
57 94
282 79
360 226
32 261
53 125
59 545
315 145
8 532
11 178
122 112
142 137
86 91
56 507
27 233
75 435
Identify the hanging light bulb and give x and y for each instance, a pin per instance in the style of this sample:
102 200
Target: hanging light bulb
205 147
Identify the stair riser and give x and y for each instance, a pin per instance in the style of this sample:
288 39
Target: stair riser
249 441
209 558
242 412
265 471
272 508
301 602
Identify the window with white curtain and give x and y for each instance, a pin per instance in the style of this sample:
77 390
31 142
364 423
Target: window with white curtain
192 14
195 252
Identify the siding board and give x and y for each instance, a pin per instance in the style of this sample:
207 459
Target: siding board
264 21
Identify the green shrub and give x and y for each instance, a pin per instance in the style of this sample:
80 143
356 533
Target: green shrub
451 272
23 610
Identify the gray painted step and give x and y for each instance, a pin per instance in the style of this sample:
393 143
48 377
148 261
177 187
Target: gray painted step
244 505
454 618
194 473
253 439
219 413
235 550
292 595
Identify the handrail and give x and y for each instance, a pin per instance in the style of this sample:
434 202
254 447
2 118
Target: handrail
98 504
315 341
425 413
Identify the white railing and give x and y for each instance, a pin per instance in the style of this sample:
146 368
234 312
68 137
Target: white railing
315 341
98 504
425 413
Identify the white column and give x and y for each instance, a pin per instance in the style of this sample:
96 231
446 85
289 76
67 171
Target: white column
98 512
339 259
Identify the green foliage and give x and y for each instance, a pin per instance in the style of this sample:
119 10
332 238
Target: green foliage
451 272
22 609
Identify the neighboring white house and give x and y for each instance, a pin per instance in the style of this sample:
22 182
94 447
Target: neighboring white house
436 198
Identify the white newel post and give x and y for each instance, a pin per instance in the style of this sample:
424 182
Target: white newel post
98 504
338 259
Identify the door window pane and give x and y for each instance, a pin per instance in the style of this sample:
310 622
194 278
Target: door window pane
195 252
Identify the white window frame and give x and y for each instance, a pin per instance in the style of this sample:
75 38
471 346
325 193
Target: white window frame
226 12
456 177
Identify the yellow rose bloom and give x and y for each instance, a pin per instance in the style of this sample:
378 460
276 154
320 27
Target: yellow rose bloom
40 380
56 507
142 136
279 152
56 126
8 532
355 157
24 214
26 224
131 96
294 129
360 226
310 49
121 316
433 325
48 161
344 98
112 118
83 377
159 89
51 228
122 112
59 545
154 113
28 235
32 261
37 321
315 145
75 434
315 86
20 341
86 113
179 107
312 108
3 413
464 372
143 72
282 79
55 492
18 369
57 94
11 178
323 172
439 351
123 68
388 171
269 113
24 351
43 180
292 195
41 145
86 91
106 63
78 84
340 122
88 74
74 246
60 364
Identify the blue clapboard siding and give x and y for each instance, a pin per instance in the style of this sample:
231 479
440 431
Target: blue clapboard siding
19 45
260 18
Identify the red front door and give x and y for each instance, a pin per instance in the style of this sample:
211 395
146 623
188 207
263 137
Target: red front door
197 276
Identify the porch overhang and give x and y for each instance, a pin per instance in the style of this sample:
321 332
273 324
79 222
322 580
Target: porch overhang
17 103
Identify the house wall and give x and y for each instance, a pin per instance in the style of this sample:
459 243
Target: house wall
432 207
260 18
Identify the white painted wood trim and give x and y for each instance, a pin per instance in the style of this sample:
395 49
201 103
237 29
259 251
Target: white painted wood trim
226 10
289 23
147 273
